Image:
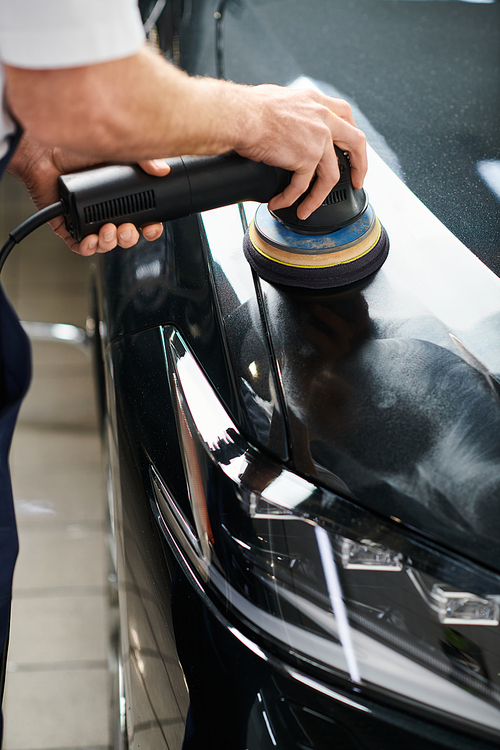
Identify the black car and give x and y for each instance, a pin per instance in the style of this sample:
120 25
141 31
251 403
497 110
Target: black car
304 485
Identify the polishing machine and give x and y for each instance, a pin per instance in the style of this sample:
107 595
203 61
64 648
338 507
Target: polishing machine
341 242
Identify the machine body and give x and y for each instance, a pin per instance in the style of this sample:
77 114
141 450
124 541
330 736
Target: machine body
341 242
125 193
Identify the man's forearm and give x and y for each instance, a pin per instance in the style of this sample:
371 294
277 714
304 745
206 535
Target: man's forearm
142 107
136 108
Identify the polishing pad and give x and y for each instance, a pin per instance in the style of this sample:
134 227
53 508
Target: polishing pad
282 256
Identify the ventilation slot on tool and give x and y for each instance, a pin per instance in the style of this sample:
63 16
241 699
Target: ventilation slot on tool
336 196
129 204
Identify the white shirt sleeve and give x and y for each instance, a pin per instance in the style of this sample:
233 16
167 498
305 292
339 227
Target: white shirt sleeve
68 33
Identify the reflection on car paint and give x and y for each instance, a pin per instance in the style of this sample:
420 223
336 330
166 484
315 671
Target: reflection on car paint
214 433
246 334
489 170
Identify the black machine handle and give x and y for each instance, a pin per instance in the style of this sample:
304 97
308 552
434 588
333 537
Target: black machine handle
125 193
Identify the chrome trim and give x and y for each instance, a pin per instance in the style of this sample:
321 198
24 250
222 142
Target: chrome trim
439 596
391 562
169 507
219 435
320 688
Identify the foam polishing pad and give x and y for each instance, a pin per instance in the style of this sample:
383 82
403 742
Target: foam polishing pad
282 256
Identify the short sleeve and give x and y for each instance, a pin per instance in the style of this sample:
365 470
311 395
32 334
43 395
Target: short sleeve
68 33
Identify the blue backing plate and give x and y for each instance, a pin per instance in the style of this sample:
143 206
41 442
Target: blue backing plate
279 236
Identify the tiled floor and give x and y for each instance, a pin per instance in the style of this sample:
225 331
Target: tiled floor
57 692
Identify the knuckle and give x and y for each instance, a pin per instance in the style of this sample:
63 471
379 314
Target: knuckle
315 146
361 137
311 94
344 109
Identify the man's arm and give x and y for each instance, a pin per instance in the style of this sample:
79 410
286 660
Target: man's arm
141 107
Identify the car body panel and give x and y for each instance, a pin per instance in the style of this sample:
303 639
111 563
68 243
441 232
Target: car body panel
383 358
383 395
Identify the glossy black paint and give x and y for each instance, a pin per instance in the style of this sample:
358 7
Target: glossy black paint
190 683
170 280
392 409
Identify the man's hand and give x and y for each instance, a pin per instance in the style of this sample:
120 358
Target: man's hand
39 167
297 130
136 107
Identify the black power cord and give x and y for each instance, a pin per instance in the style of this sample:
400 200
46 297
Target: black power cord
28 226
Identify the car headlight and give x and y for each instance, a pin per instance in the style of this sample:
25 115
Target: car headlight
322 580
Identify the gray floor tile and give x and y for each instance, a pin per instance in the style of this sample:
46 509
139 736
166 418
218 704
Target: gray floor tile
44 258
60 629
56 476
66 495
60 359
46 710
62 392
74 556
34 450
72 405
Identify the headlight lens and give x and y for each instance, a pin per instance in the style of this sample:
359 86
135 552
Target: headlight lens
324 580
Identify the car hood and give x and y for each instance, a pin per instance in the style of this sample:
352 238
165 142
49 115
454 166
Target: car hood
397 412
389 389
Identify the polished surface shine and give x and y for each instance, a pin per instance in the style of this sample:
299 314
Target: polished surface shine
245 419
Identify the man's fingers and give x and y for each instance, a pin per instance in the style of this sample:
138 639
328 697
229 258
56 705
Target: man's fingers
340 108
152 231
327 175
358 173
358 157
156 167
127 235
349 138
108 238
298 185
88 246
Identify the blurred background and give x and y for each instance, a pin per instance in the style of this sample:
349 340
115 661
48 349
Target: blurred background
57 690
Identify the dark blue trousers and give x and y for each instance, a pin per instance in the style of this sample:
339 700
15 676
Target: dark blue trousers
15 374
